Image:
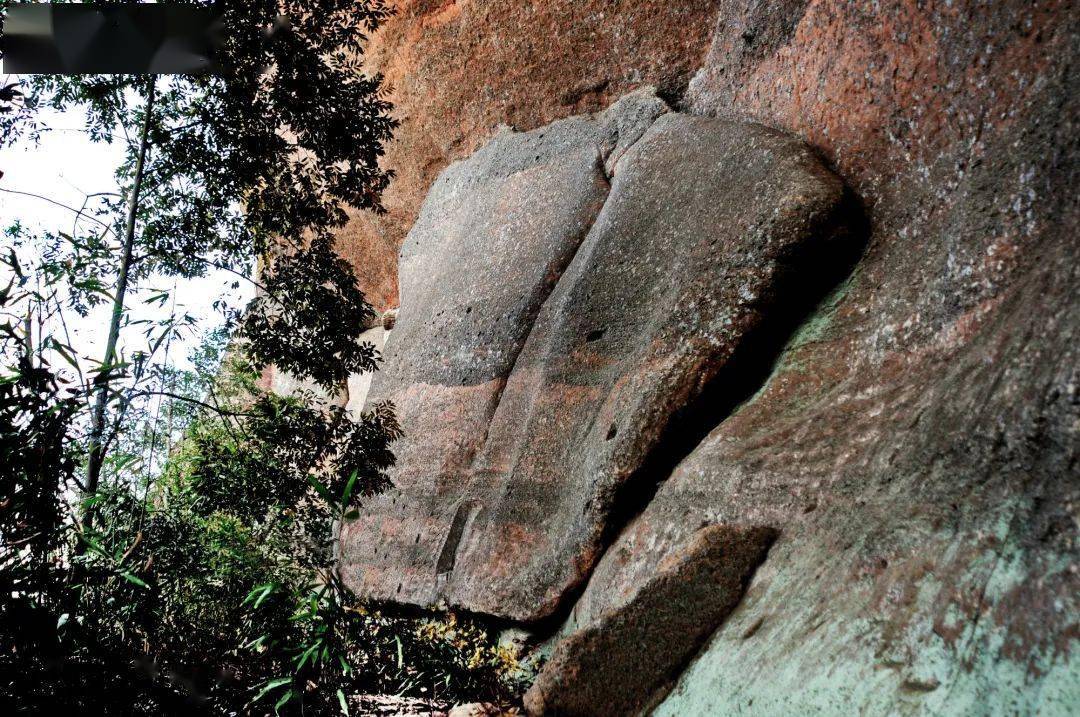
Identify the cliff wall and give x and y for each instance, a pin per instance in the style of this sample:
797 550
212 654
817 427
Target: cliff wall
883 461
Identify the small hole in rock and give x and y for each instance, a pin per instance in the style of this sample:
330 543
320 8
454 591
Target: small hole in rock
611 432
594 336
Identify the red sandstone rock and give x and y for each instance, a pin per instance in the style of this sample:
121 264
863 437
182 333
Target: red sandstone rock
617 664
919 440
459 69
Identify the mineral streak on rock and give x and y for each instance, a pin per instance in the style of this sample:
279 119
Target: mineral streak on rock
628 654
534 391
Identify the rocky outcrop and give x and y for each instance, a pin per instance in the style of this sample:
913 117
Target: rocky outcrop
545 389
458 70
916 442
622 660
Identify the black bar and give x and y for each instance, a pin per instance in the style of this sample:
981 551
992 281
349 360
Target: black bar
137 38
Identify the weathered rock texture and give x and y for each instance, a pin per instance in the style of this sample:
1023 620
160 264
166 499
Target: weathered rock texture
619 662
457 70
572 347
917 443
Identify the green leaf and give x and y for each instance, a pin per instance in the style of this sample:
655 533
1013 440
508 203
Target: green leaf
123 461
270 687
132 578
92 500
321 490
257 642
348 490
93 544
13 262
266 593
281 702
343 702
262 591
306 655
64 354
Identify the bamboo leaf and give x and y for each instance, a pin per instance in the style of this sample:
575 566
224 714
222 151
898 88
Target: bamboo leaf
281 702
348 489
271 686
321 490
132 578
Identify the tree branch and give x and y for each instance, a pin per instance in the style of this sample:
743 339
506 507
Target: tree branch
73 210
194 401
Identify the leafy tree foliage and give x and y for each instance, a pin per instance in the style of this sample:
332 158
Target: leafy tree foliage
221 167
305 318
36 411
206 583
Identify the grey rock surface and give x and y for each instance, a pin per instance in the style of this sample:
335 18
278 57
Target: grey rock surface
543 387
495 234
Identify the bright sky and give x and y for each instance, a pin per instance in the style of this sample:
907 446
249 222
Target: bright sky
64 167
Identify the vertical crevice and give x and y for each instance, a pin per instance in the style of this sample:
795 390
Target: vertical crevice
463 516
805 278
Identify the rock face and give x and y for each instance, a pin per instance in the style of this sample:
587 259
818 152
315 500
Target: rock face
625 657
543 393
457 70
916 443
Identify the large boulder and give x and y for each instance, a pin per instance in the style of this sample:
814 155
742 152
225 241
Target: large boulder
495 235
547 387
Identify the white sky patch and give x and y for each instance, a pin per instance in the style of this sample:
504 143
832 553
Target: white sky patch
66 166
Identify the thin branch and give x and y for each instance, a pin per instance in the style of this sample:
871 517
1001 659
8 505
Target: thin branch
117 109
107 137
222 267
82 210
27 539
157 412
194 401
126 399
59 204
67 338
222 416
